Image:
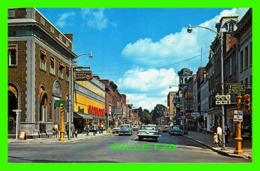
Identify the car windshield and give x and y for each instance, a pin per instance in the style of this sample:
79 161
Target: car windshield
148 127
176 127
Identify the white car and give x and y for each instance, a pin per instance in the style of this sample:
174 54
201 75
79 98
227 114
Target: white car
115 130
148 131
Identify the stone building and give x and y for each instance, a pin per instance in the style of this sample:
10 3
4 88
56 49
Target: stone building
39 60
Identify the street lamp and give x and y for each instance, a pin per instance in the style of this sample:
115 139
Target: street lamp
220 36
71 89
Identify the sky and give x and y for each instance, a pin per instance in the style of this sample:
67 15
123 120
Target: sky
140 49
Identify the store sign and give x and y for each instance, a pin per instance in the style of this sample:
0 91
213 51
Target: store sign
118 111
236 88
96 111
83 74
223 99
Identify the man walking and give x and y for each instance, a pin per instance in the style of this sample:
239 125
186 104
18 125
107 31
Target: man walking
219 134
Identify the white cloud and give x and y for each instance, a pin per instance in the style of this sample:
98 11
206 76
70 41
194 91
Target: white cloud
63 20
95 18
142 100
177 47
150 86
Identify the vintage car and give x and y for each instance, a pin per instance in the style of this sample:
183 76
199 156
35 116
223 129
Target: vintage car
176 130
148 131
115 130
136 127
125 129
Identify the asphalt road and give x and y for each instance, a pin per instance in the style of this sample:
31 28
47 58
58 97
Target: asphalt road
112 148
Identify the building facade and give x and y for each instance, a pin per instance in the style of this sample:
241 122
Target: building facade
244 51
39 58
89 103
170 103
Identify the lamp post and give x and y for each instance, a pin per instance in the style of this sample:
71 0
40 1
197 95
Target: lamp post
220 36
71 89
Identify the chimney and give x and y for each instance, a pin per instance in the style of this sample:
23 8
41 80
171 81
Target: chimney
69 36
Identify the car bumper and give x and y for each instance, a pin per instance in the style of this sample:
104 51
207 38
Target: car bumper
121 133
148 136
176 133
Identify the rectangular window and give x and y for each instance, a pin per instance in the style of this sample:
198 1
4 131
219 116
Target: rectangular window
250 55
61 70
43 59
68 73
246 57
241 61
52 65
235 64
12 55
52 29
230 66
246 82
42 21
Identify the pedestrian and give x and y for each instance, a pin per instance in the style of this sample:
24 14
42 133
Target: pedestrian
76 133
72 129
99 128
67 129
94 129
102 127
87 129
55 129
219 134
215 139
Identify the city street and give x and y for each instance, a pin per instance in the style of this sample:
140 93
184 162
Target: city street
111 148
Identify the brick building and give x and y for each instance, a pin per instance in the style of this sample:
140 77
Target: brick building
39 60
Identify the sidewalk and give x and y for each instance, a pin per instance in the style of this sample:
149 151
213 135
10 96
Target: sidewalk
54 140
206 140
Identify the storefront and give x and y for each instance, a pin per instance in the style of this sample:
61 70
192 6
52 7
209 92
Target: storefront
89 103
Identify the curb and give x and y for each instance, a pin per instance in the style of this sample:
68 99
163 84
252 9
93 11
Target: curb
51 141
220 151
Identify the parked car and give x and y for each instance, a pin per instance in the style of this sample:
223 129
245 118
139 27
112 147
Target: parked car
164 128
176 130
148 131
125 129
136 127
115 130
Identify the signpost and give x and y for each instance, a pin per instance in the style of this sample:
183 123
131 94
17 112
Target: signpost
17 111
238 116
83 74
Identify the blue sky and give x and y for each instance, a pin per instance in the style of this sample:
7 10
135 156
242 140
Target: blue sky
140 49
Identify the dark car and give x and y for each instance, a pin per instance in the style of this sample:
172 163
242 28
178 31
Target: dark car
125 130
176 130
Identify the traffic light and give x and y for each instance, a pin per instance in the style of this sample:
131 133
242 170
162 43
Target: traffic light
247 105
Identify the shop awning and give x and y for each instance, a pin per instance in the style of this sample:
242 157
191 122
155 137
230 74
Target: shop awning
83 116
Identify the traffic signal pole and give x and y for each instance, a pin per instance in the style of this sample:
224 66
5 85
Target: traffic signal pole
238 139
62 122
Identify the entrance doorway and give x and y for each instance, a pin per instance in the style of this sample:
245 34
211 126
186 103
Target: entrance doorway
12 105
